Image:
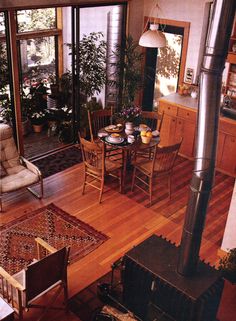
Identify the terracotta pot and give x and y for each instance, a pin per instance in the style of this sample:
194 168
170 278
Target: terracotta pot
37 128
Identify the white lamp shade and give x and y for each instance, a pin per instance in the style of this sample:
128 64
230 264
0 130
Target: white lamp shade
153 38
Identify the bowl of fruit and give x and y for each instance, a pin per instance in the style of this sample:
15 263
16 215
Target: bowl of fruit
146 136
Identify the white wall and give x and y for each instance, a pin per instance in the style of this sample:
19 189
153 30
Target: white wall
229 238
182 10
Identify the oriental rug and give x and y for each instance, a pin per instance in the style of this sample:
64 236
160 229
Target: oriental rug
55 226
59 161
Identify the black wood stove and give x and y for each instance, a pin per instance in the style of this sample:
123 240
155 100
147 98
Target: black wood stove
154 290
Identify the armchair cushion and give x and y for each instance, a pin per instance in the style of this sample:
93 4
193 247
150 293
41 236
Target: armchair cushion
17 178
16 175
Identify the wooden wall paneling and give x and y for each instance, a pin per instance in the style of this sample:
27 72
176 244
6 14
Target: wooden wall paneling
60 41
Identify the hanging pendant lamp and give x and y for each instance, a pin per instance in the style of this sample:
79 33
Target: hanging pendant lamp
153 38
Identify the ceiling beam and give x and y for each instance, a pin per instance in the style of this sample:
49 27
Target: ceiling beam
25 4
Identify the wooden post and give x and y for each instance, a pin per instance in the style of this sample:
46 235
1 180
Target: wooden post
15 77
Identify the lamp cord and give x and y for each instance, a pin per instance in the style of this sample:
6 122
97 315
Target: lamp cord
156 6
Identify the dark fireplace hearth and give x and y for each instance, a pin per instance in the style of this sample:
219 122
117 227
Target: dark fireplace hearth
154 290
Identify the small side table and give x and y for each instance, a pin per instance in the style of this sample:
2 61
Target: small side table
6 312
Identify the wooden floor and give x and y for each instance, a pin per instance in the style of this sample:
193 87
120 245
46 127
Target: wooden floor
126 218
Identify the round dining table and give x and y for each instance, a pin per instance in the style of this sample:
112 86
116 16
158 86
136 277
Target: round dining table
127 149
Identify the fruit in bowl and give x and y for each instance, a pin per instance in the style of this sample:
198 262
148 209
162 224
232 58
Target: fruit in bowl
146 136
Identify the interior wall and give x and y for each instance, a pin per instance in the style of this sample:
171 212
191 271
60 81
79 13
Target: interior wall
190 11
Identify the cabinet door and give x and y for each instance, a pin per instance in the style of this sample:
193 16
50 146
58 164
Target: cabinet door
168 130
228 160
220 146
187 146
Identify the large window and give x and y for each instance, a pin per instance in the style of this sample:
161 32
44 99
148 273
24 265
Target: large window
37 19
38 42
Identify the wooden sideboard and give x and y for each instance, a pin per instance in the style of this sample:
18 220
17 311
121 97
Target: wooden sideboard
180 120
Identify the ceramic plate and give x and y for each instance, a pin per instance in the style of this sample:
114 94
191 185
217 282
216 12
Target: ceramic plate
114 129
111 140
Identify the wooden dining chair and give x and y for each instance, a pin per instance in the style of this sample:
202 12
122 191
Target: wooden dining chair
44 274
153 119
160 165
99 119
97 166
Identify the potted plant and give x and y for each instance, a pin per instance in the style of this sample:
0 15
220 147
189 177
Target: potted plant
6 109
38 120
54 86
228 266
92 63
128 70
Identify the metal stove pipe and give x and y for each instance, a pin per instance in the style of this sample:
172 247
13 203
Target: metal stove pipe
206 143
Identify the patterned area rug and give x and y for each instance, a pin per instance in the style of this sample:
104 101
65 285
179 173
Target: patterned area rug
59 161
58 228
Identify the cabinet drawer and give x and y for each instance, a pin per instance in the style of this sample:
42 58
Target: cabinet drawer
168 108
187 114
227 128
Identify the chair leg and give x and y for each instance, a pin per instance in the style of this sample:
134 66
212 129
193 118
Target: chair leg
83 189
120 181
150 190
39 196
65 288
101 191
169 186
133 179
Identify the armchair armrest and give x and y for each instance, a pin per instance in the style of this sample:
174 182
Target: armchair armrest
42 244
30 166
10 280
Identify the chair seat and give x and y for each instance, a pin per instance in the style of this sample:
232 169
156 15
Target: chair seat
146 166
18 178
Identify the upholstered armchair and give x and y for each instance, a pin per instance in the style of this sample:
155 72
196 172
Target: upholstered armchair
15 171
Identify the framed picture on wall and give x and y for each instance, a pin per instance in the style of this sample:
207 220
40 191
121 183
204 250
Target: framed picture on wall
189 75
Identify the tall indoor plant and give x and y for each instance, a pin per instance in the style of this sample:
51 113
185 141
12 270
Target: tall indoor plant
128 69
92 67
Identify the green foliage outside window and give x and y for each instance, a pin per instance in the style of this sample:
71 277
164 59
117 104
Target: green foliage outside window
4 74
36 19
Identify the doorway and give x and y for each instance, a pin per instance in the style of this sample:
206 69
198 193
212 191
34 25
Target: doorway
164 67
